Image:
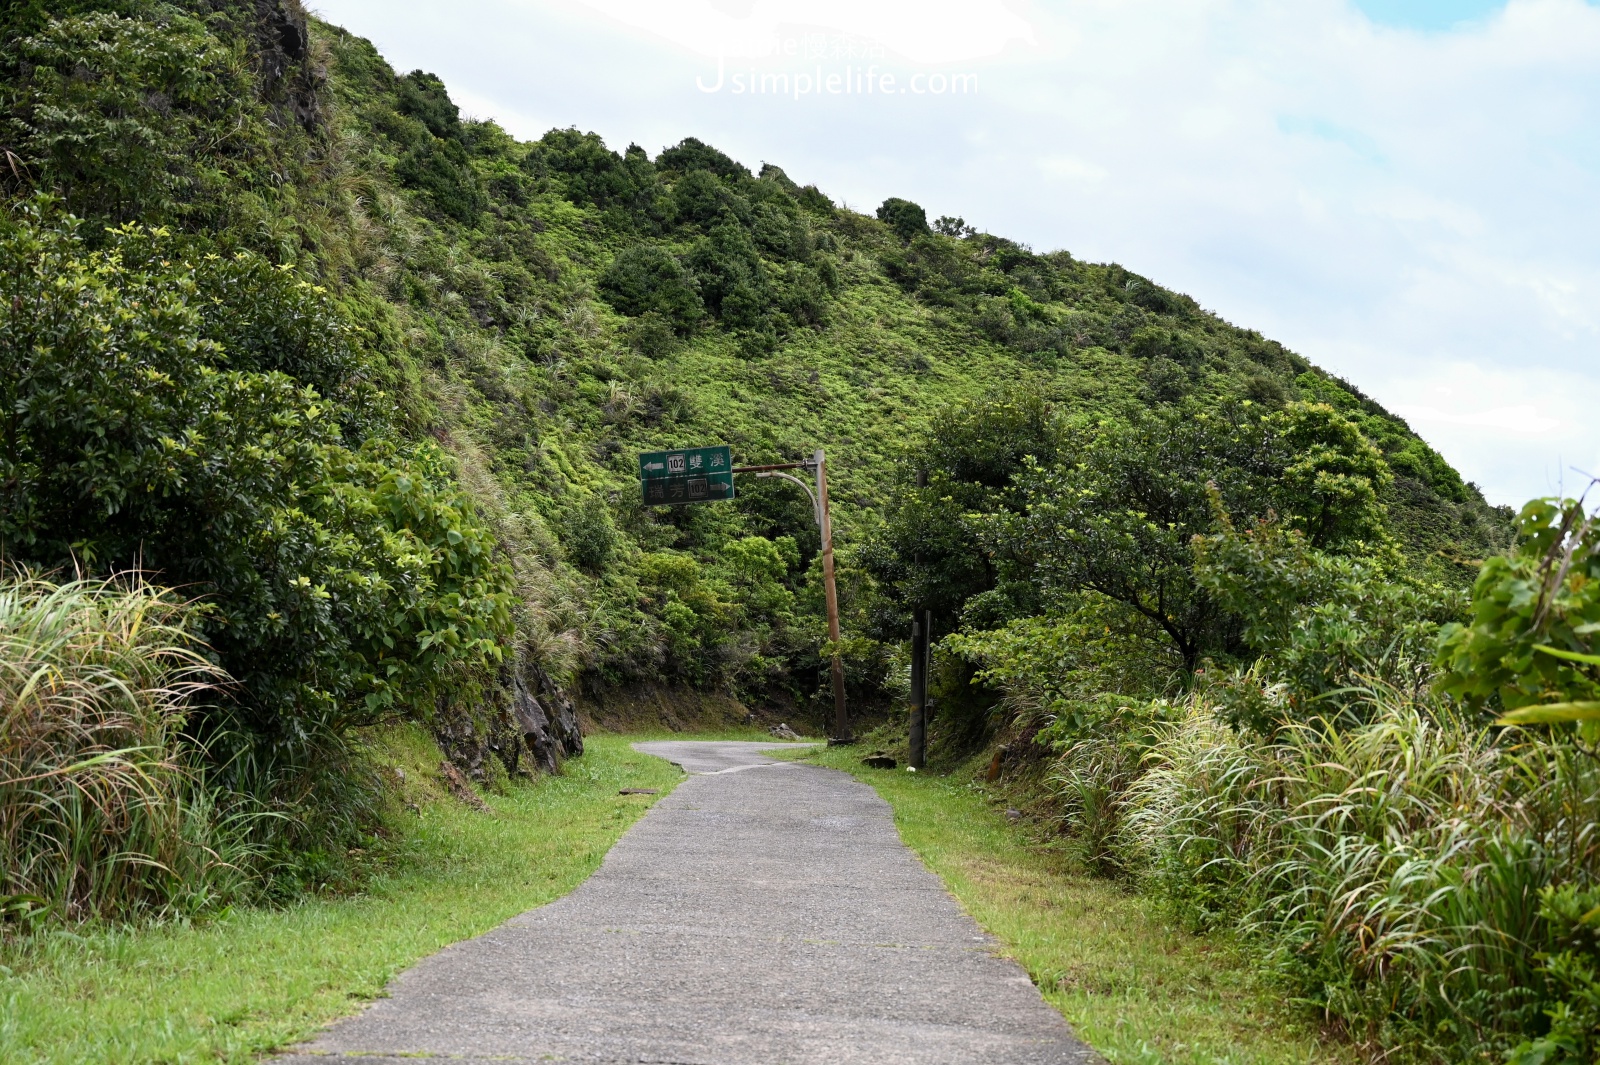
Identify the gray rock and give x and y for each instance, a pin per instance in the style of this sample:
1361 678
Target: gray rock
526 721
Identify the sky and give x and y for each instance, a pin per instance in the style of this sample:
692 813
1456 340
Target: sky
1406 192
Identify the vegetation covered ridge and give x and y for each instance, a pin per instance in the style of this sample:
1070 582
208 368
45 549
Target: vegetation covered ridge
546 310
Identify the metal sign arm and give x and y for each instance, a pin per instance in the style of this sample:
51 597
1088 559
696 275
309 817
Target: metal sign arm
816 509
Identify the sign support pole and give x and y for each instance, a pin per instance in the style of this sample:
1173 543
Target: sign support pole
841 720
819 501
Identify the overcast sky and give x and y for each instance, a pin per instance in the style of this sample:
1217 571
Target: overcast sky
1403 191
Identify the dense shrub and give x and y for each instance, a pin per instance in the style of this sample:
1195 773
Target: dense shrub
907 219
733 280
1392 872
645 278
342 584
152 118
590 173
692 154
441 169
90 118
424 97
1531 637
698 198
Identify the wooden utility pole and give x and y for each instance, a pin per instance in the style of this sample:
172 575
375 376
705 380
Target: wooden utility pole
841 719
830 593
921 623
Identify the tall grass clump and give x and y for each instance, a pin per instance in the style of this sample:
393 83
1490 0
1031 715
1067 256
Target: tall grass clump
102 811
1396 800
1399 874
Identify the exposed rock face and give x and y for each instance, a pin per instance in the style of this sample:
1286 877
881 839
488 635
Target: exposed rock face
524 719
280 44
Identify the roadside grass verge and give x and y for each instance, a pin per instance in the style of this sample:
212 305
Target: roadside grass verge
250 980
1131 982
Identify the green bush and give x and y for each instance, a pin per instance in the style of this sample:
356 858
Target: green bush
341 584
698 198
424 97
907 219
442 170
589 534
590 173
1325 625
1530 641
151 118
645 279
691 154
733 280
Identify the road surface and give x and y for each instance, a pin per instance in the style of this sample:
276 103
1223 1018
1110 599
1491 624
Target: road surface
763 913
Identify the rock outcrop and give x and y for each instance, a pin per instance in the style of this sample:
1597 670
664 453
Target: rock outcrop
524 719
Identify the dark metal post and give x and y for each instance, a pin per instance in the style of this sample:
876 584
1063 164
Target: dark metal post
918 755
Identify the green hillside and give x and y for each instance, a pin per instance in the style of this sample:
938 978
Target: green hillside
545 311
568 304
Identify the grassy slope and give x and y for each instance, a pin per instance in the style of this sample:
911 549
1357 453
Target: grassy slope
252 980
537 384
1131 984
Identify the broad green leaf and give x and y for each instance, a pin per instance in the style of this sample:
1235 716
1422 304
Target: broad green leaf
1571 656
1552 714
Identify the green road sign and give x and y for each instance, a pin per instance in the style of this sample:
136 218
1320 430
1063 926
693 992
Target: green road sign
687 475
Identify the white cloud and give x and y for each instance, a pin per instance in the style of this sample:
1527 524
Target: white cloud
1525 420
923 31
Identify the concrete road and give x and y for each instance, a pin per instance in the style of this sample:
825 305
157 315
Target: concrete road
764 913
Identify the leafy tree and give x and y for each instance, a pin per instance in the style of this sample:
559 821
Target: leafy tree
1118 515
1153 342
341 584
907 219
645 278
1529 646
928 553
1326 625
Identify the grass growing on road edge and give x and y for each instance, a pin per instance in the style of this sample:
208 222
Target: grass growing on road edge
1133 985
251 980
